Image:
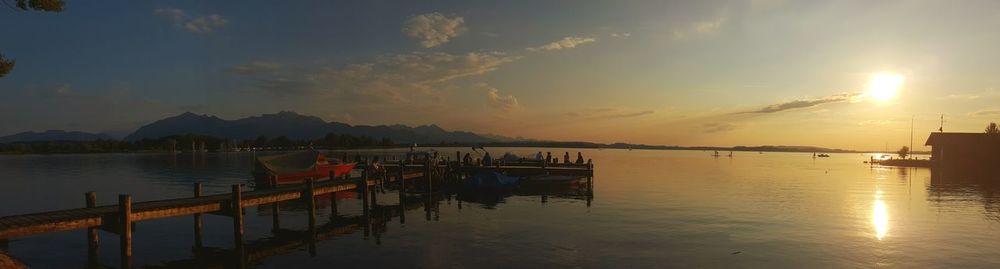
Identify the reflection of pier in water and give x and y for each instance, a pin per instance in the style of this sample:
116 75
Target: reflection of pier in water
956 186
286 241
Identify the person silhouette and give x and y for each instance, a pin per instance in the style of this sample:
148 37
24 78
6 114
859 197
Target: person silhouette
487 160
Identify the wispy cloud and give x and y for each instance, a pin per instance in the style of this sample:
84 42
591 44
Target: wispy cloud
255 67
985 114
565 43
505 103
433 29
700 28
718 127
201 25
805 103
608 113
395 79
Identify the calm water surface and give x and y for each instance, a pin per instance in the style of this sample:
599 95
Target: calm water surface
651 209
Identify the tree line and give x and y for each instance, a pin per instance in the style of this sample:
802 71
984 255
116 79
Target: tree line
194 142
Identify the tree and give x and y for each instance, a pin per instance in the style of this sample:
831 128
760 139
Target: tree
993 129
6 65
903 152
41 5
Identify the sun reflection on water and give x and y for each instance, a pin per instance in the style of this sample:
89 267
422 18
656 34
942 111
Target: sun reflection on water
880 216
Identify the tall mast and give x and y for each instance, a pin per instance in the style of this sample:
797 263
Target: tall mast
941 129
911 132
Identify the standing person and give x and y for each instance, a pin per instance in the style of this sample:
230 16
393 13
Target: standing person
379 171
566 157
487 160
539 157
579 158
467 160
548 157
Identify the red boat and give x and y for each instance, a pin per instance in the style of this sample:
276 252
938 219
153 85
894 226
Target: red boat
297 167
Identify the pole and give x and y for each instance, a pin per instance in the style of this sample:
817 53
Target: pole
911 135
93 241
197 218
236 206
125 229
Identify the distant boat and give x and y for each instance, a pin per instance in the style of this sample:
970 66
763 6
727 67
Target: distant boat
297 167
823 155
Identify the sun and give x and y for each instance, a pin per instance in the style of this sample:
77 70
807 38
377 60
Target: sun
884 86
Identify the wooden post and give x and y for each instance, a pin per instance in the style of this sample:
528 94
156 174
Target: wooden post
363 187
275 216
402 192
333 199
93 241
427 174
311 207
197 218
236 206
125 229
458 158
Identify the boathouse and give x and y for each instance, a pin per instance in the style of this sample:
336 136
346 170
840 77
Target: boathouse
964 150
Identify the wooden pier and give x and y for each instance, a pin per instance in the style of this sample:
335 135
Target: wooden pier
119 218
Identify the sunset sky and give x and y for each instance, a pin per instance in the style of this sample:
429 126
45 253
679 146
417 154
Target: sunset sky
673 73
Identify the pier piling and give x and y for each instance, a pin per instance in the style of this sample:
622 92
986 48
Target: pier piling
125 229
93 241
402 192
311 207
197 218
237 210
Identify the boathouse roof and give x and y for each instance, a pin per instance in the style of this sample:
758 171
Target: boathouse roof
962 138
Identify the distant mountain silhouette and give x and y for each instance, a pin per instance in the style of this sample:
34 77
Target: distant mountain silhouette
52 135
295 126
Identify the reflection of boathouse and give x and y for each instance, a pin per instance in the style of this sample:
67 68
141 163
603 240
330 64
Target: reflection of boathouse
973 151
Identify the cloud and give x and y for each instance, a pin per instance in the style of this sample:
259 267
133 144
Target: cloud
700 28
433 29
718 127
200 25
608 113
985 114
506 103
806 103
413 79
623 35
255 67
565 43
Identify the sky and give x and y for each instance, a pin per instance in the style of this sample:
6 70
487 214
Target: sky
689 73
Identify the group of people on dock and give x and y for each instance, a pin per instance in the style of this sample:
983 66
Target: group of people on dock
488 160
548 158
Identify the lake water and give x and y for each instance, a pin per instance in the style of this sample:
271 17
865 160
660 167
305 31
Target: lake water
650 209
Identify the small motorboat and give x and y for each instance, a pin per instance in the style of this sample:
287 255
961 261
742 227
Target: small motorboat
824 155
297 167
491 180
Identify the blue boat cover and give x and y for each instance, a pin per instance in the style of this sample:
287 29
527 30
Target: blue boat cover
491 180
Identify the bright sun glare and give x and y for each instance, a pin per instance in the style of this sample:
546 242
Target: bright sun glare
884 86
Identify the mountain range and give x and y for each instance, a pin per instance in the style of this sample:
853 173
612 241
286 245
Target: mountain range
52 135
302 127
297 127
